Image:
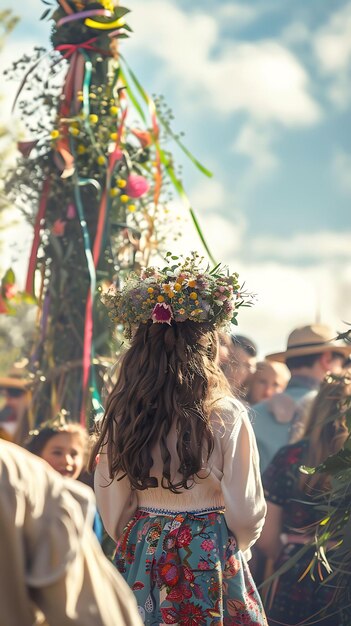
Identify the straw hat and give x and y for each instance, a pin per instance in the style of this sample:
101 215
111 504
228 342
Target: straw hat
312 339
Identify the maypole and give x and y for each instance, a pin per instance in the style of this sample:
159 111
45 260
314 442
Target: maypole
92 184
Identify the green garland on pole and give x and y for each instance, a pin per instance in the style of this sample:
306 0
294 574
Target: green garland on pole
94 182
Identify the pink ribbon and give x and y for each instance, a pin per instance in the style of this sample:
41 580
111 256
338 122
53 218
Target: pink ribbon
36 240
71 48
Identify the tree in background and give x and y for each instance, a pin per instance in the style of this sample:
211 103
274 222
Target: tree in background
94 182
8 22
14 338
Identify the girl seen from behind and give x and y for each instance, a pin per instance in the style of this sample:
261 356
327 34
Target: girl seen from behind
293 497
177 479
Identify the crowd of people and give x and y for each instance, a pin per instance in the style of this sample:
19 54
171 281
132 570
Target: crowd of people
197 477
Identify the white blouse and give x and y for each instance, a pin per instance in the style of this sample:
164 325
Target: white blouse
230 480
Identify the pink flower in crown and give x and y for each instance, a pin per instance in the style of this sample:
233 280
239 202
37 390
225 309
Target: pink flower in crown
136 186
162 313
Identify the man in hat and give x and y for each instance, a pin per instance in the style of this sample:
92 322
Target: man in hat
311 353
16 397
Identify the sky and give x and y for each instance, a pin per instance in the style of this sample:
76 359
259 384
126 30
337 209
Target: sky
262 92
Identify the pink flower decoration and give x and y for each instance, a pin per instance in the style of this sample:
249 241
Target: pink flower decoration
3 306
58 228
116 155
71 212
207 545
184 537
136 186
10 290
162 313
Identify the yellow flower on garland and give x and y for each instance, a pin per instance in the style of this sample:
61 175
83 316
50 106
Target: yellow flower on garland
101 159
160 299
108 5
54 134
93 118
193 295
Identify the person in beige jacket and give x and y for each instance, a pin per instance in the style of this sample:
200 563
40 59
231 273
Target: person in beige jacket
52 569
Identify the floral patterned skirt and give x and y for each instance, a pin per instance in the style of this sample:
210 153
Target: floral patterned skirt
185 569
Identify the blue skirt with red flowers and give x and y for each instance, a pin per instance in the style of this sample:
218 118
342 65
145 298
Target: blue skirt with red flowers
186 569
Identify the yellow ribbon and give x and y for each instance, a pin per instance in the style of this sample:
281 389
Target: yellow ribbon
104 25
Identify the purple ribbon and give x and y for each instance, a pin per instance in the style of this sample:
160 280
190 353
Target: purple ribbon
83 15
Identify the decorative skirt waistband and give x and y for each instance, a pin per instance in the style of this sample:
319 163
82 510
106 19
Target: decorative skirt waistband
173 513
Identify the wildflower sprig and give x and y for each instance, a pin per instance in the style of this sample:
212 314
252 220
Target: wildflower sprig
185 289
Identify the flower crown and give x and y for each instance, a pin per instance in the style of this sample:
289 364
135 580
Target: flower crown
183 290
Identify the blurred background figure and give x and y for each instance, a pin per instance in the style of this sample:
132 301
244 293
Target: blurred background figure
237 359
312 352
65 446
15 400
53 570
270 377
294 509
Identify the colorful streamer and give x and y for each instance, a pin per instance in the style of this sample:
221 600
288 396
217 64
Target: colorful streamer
105 25
83 14
36 240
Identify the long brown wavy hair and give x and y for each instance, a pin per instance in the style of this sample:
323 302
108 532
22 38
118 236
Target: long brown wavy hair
327 428
169 374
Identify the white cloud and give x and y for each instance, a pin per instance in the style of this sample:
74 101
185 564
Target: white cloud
332 48
255 142
224 237
315 247
341 167
332 43
15 245
262 78
288 295
296 33
208 195
237 14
